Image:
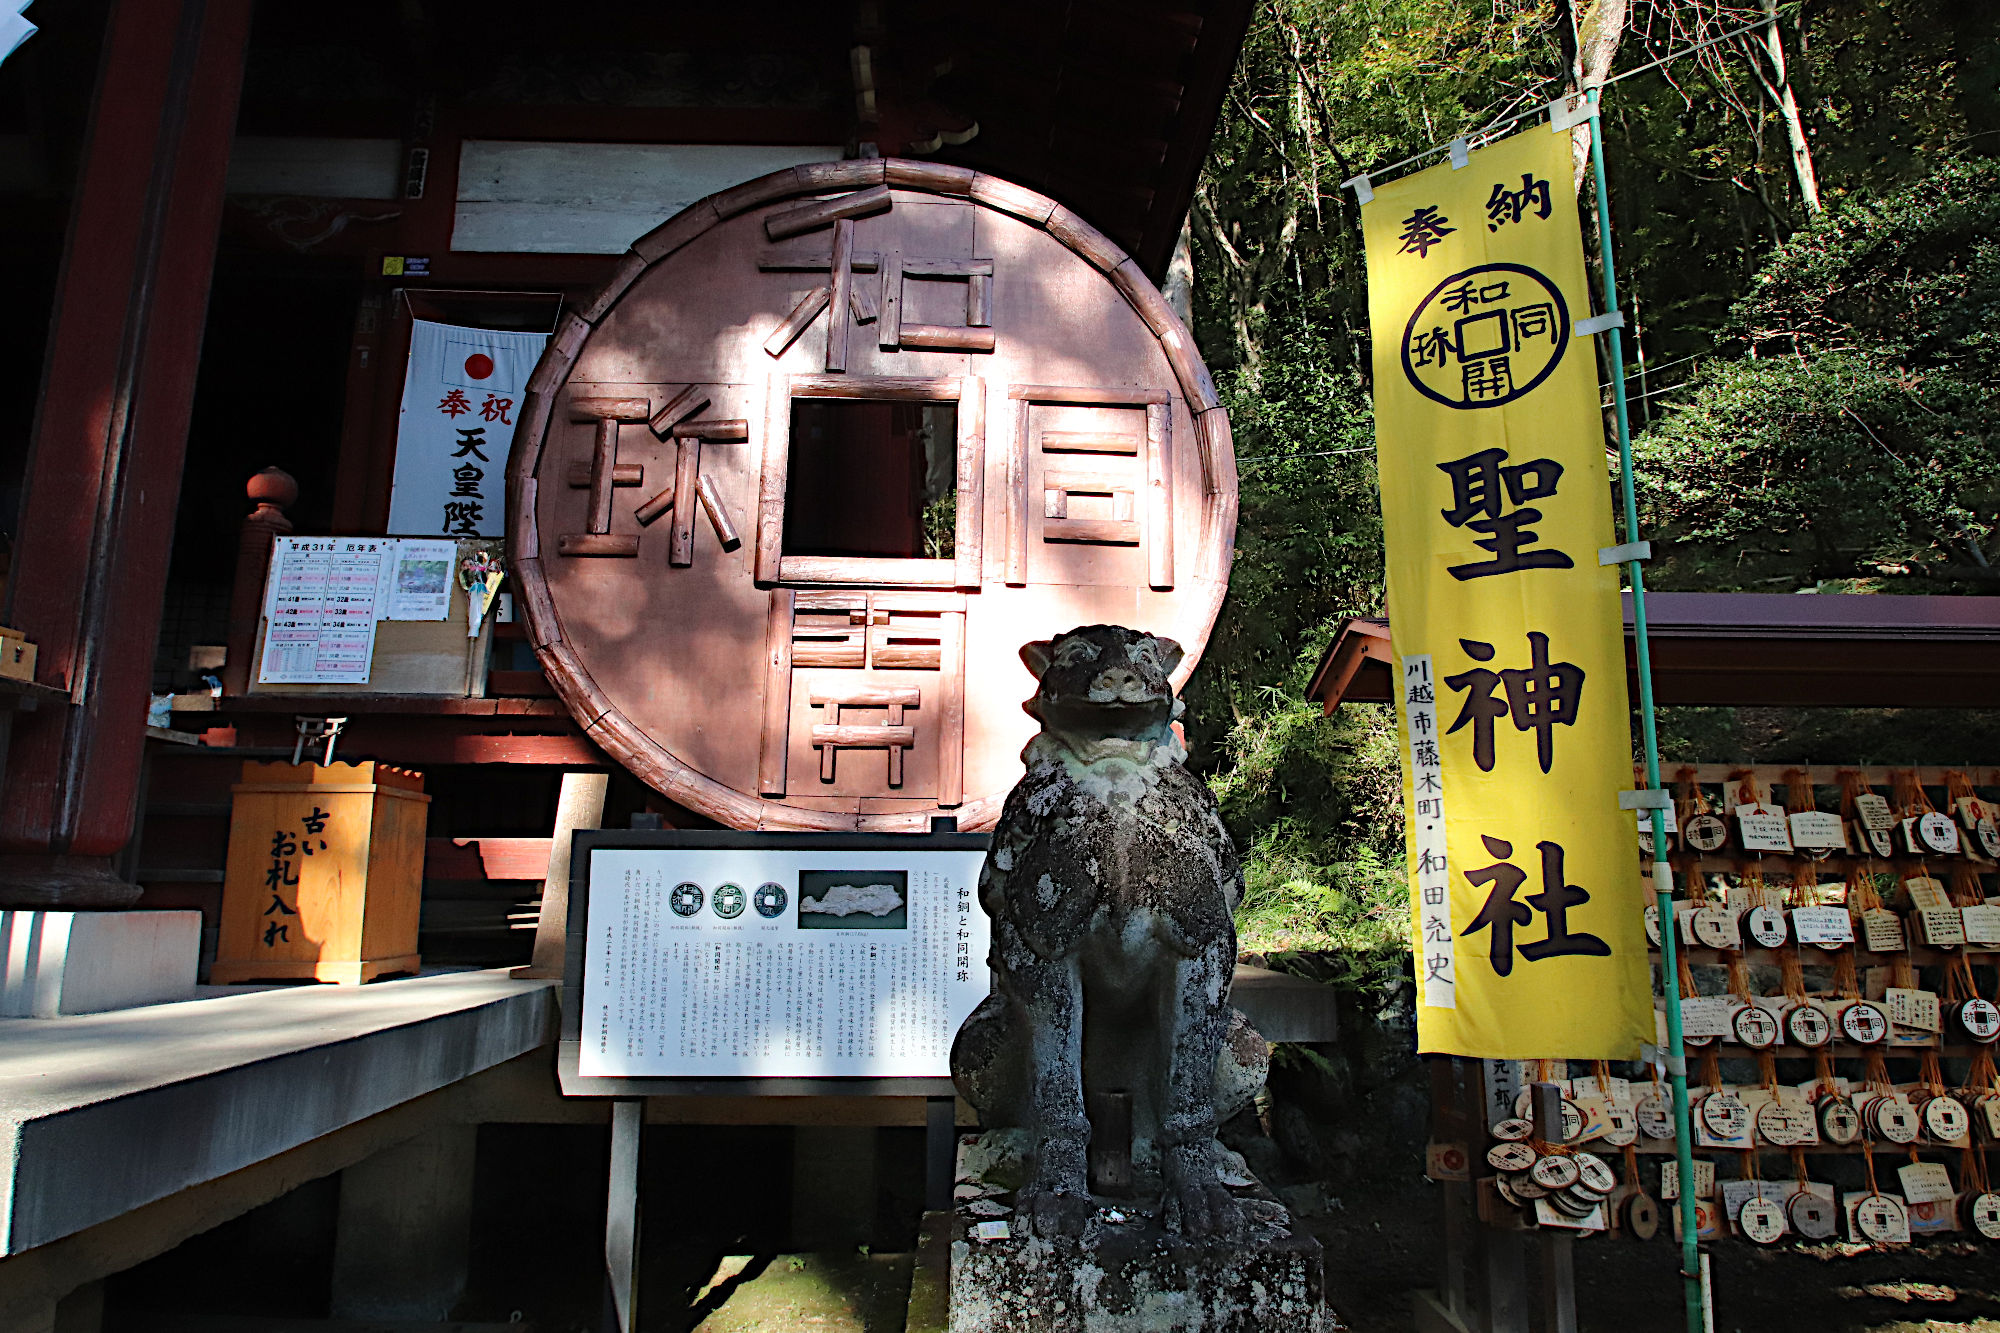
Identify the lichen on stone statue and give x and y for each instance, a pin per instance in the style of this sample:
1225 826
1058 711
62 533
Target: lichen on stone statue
1111 882
847 899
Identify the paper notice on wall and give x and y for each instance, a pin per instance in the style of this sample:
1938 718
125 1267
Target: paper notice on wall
461 392
320 601
728 962
419 579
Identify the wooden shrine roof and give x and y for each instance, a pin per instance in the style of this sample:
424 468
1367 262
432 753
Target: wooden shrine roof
1763 649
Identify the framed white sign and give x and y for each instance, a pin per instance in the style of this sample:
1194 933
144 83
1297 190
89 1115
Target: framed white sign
769 956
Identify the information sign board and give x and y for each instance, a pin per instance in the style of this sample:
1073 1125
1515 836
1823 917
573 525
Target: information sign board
823 962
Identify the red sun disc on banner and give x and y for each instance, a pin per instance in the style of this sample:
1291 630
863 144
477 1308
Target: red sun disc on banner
479 365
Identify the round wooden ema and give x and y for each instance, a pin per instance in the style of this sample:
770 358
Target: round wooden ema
1945 1119
1655 1114
1864 1023
1640 1217
1574 1201
1983 1212
1593 1175
1514 1130
1880 1218
1527 1187
1653 924
1938 834
1839 1122
1782 1125
1504 1186
789 494
1556 1172
1987 834
1621 1127
1811 1215
1716 927
1510 1157
1978 1019
1725 1114
1754 1027
1767 926
1806 1024
1761 1220
1893 1120
1879 841
1704 832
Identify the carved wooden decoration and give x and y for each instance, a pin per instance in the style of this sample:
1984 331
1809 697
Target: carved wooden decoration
925 416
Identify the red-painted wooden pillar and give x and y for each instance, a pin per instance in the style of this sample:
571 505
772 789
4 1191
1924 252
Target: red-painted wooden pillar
104 476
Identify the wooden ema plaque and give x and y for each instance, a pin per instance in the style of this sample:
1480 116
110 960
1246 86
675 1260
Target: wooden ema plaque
790 493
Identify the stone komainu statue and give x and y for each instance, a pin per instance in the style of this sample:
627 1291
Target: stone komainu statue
1111 883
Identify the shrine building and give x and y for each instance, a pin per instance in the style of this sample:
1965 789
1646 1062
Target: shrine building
433 429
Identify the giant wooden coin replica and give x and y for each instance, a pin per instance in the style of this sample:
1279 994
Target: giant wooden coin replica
789 495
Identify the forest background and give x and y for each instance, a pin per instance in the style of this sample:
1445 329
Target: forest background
1807 227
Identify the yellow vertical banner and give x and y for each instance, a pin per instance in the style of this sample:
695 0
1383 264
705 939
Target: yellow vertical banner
1526 901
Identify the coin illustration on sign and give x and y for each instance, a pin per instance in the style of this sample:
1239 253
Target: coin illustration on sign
728 901
685 899
770 900
1486 336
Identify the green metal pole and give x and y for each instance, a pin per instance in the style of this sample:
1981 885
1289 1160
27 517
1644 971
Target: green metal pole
1662 873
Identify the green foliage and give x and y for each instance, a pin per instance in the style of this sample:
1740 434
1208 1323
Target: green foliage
1864 443
1850 451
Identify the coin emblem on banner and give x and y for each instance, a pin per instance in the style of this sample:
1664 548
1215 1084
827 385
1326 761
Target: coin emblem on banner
1485 336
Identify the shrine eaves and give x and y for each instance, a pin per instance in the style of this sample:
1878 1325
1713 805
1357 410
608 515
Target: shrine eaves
788 496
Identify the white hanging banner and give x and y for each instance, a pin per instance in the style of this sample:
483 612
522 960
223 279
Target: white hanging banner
460 394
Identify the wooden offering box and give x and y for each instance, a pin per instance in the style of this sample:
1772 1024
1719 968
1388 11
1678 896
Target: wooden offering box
325 873
789 495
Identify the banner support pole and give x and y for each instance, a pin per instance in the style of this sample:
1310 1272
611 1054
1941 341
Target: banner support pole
1691 1260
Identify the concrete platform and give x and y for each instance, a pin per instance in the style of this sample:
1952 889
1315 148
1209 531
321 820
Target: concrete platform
103 1113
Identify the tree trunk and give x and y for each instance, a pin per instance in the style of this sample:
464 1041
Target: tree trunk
1779 88
1599 31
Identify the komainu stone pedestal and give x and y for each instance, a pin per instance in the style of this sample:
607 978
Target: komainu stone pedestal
1126 1274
